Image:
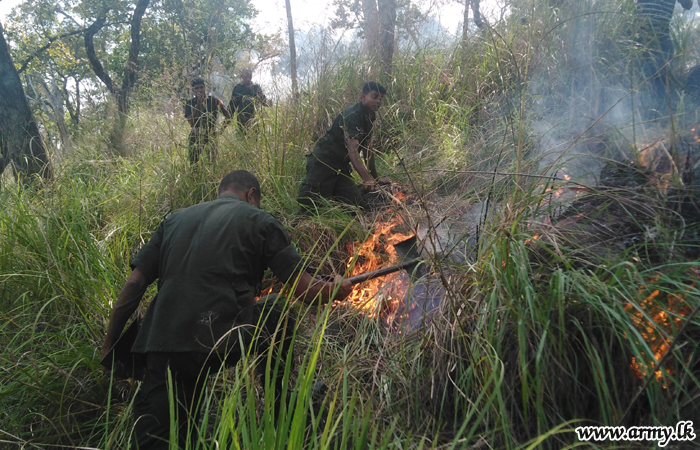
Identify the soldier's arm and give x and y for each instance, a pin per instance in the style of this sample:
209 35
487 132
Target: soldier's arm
309 288
233 104
224 110
188 115
265 102
127 302
354 155
369 160
372 166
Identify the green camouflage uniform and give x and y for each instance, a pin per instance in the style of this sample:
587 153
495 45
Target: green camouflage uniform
328 167
209 260
206 121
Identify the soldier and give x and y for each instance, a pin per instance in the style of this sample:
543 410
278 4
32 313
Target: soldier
328 166
209 261
201 112
244 97
654 36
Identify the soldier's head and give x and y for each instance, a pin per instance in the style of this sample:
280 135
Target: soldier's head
243 184
372 95
198 86
246 75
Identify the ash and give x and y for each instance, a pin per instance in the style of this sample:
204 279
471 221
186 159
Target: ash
412 312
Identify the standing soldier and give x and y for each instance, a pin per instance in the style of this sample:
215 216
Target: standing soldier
654 36
328 167
201 112
244 97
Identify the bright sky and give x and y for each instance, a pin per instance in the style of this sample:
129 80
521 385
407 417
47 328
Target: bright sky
306 13
272 15
6 6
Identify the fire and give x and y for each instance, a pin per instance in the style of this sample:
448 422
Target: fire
696 133
400 196
378 251
553 191
534 238
666 317
656 158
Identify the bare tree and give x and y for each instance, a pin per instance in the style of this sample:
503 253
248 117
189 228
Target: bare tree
387 31
121 94
292 50
478 21
370 26
20 139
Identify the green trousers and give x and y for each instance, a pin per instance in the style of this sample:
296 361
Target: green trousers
322 181
189 372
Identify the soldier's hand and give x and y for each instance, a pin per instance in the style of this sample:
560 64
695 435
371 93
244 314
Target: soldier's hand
369 185
384 181
345 288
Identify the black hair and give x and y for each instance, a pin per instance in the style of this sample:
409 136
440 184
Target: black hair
240 181
197 81
373 86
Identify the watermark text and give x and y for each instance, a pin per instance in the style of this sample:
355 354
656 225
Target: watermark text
683 431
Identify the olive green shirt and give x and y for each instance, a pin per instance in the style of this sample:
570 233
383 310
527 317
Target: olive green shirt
354 122
209 260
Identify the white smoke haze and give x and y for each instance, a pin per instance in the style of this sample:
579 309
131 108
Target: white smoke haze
588 113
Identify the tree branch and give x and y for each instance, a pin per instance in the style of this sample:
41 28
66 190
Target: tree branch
48 44
132 65
95 63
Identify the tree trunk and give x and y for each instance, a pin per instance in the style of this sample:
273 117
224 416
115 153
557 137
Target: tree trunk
387 15
59 113
73 112
20 140
478 21
370 26
121 95
51 102
292 51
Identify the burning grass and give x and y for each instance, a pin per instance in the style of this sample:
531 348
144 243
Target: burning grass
657 318
379 294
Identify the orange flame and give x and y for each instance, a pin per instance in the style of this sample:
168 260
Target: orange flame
553 191
400 196
696 133
377 251
665 319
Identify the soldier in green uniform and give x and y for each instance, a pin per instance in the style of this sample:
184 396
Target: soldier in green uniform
654 39
244 97
328 166
201 112
209 261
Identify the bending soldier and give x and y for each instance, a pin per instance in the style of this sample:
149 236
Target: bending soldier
328 166
209 261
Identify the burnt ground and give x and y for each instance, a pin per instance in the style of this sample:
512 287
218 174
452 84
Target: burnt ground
636 208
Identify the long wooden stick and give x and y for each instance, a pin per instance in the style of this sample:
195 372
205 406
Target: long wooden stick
383 271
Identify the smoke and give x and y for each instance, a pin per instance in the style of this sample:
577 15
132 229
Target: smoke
584 108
